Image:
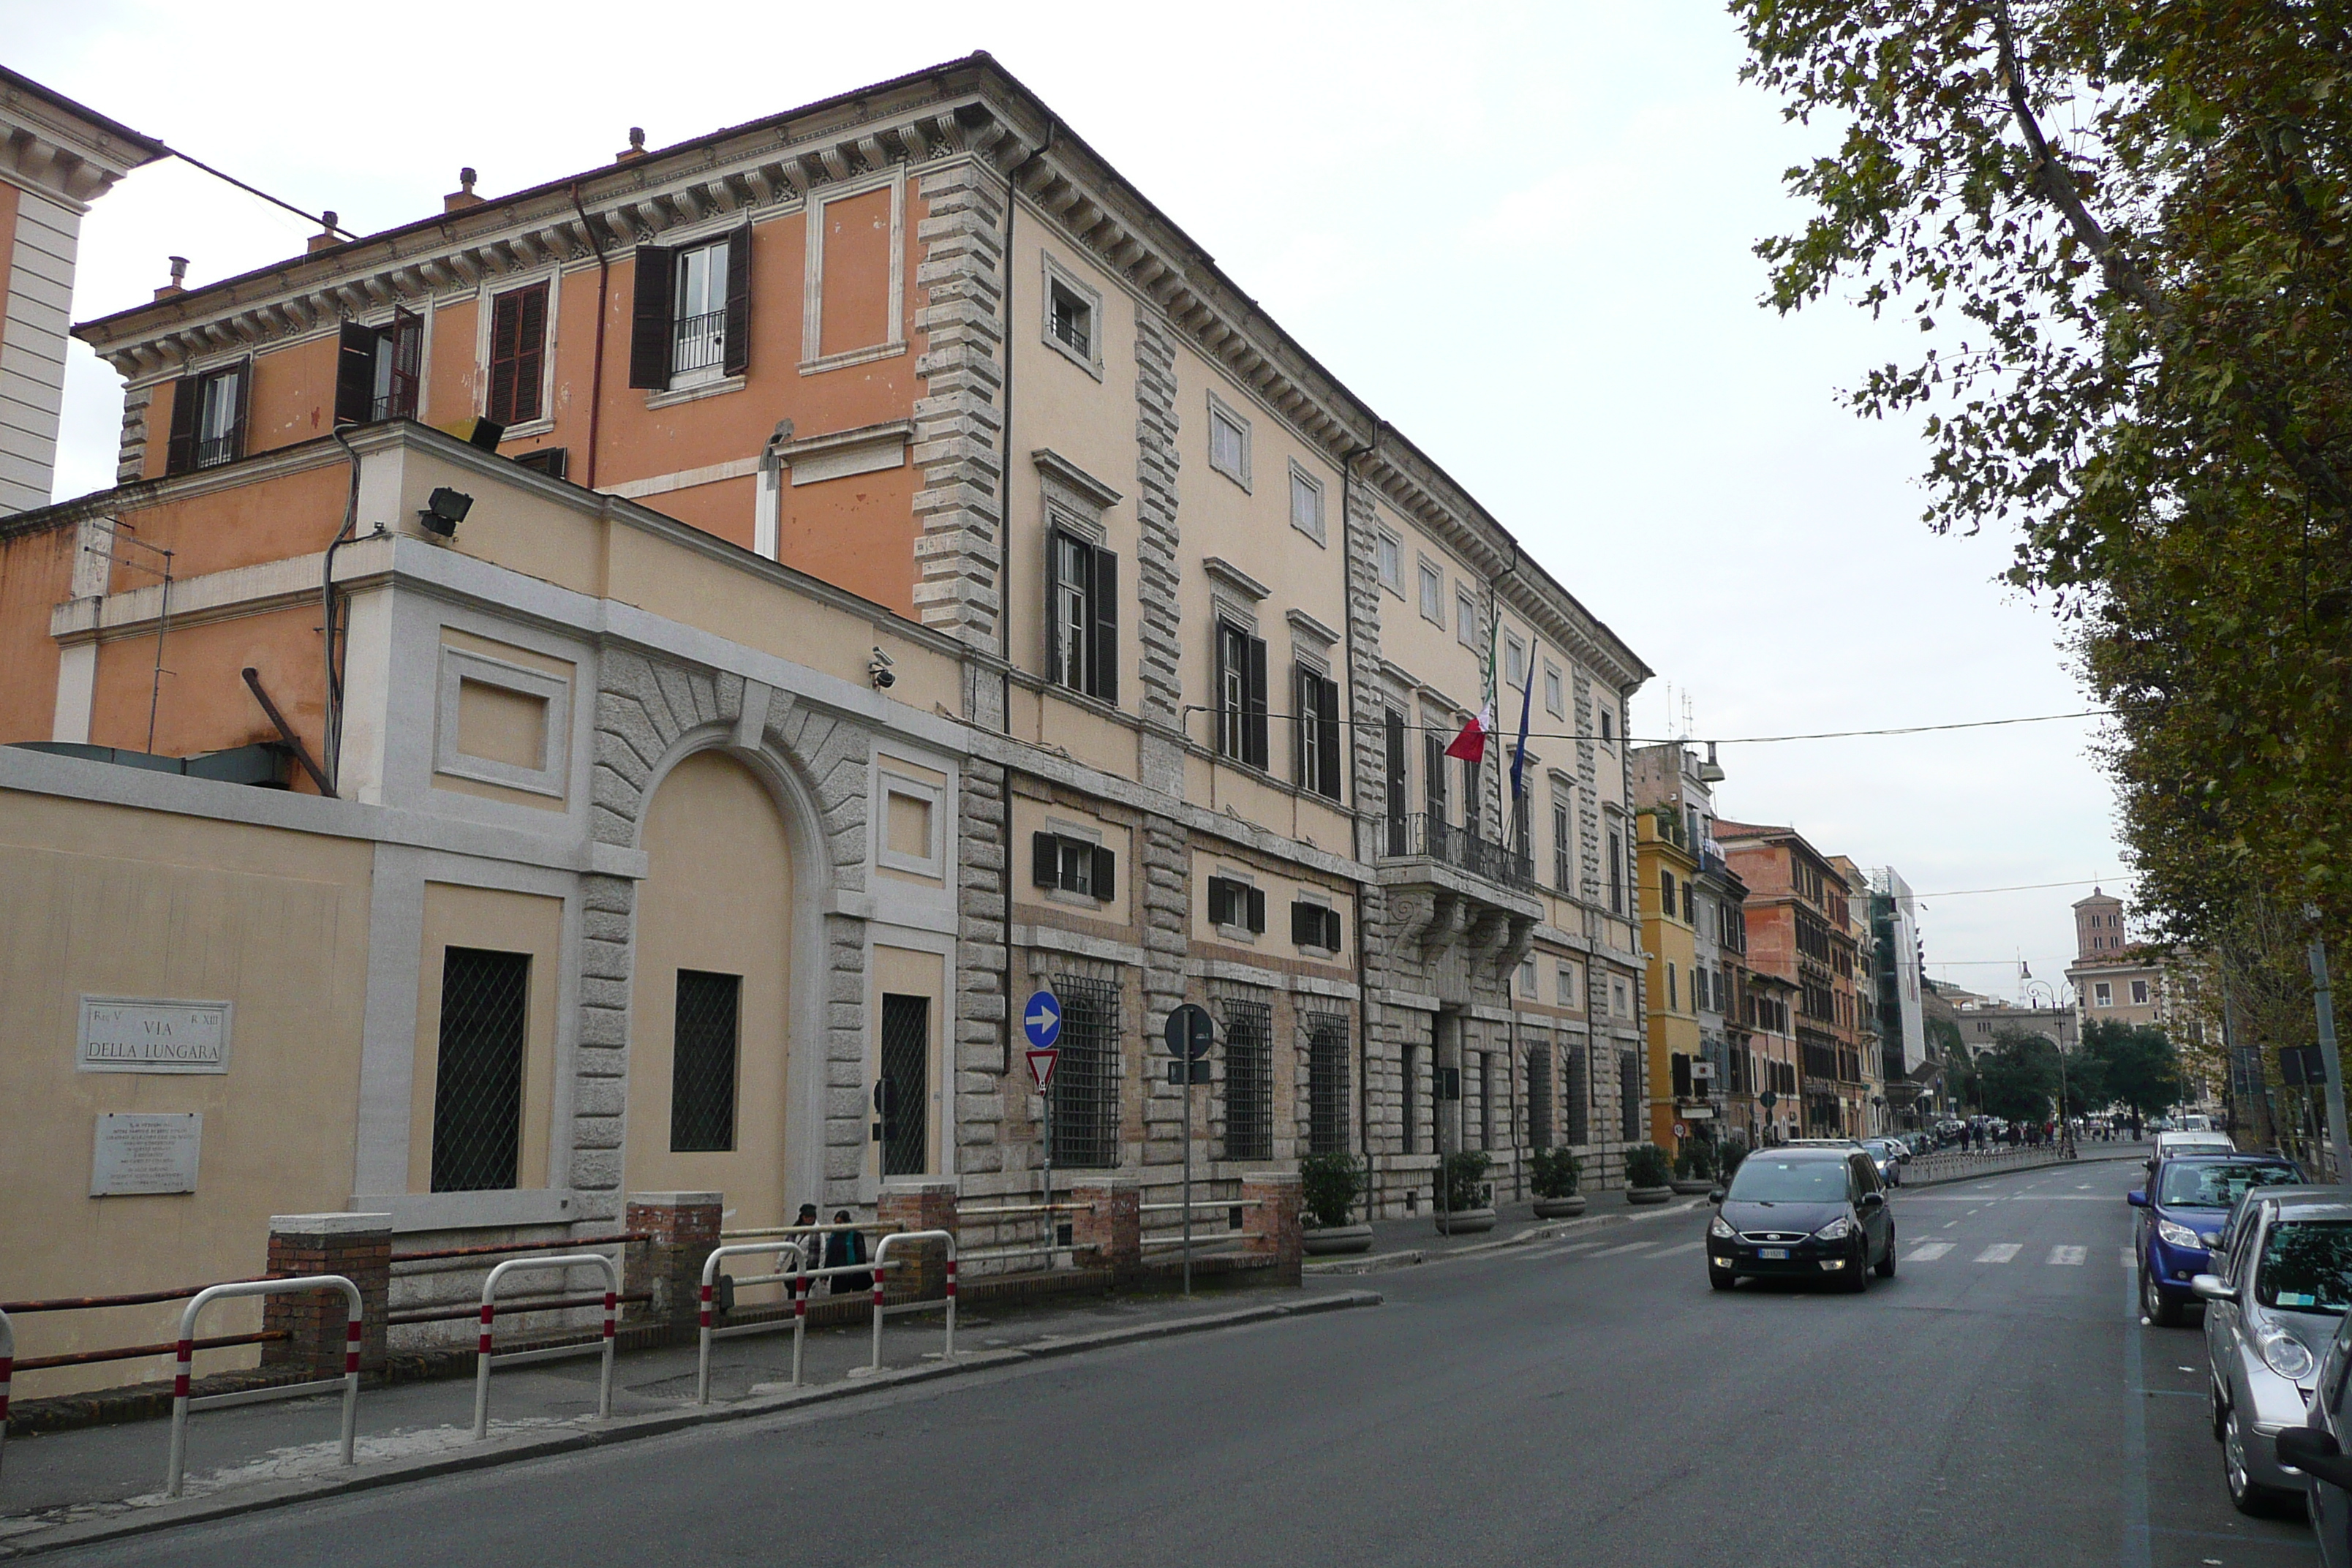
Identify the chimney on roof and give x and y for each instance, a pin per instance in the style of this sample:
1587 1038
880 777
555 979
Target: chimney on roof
463 196
637 147
179 283
326 238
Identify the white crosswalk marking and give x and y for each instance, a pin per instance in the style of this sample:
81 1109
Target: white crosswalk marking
1685 1247
2064 1254
1929 1251
1629 1246
1999 1252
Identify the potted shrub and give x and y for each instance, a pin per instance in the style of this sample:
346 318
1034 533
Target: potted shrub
1328 1187
1465 1210
1695 1167
1648 1172
1554 1173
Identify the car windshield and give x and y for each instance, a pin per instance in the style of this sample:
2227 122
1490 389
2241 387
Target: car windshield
2216 1184
2306 1265
2178 1143
1764 1180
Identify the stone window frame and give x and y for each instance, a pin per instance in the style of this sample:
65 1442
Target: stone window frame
888 782
1239 933
1564 985
1514 644
1057 275
486 295
1555 688
1075 831
1220 409
1388 548
1466 627
1432 569
459 664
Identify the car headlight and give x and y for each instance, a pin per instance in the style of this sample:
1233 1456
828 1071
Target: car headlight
1721 1229
1837 1229
2287 1355
2178 1235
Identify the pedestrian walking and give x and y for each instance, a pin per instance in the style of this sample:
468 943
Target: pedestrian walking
804 1256
844 1249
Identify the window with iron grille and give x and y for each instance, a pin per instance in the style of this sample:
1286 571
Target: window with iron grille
1574 1095
1483 1065
208 418
1083 1129
1539 1097
1071 320
478 1073
1410 1099
907 1075
1629 1096
1326 1083
703 1063
377 370
1249 1080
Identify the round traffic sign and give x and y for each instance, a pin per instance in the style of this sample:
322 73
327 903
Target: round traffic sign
1041 1019
1190 1032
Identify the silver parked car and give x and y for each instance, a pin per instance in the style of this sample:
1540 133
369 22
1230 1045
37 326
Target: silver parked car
2285 1282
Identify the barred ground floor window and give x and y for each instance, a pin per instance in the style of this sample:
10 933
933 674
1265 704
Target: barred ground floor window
478 1070
1326 1083
1539 1097
1574 1094
1249 1079
1629 1096
1082 1127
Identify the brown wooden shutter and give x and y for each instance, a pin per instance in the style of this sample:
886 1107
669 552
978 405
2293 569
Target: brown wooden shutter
1256 910
1102 654
1331 933
531 349
1255 750
649 318
1105 877
1053 606
180 453
1302 702
244 373
1328 738
1045 860
506 312
407 364
737 351
355 375
1306 925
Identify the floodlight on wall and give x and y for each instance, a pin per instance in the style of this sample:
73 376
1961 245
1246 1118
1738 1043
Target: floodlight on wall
878 670
445 509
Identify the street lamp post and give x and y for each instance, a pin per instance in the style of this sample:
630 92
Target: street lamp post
2065 1127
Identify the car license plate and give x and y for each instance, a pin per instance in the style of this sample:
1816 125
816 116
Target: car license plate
1780 1252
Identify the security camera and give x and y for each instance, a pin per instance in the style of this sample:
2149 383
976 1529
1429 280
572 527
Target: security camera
878 669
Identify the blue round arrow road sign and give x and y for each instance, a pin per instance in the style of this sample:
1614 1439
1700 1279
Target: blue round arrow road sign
1041 1018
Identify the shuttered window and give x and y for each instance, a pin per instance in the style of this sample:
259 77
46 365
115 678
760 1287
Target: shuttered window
208 418
1318 736
518 353
1313 925
690 312
1394 734
376 370
1072 866
1236 903
1082 624
1241 696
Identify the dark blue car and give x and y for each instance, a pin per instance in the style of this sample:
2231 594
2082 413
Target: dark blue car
2188 1197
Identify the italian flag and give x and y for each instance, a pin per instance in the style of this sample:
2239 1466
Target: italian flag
1471 744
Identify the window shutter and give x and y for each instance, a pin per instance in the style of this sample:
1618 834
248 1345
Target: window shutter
244 373
1102 657
1228 743
1331 930
530 347
354 376
1105 876
1306 925
1329 741
1258 910
407 363
1045 860
1220 901
504 311
649 318
1253 738
179 455
1053 606
736 353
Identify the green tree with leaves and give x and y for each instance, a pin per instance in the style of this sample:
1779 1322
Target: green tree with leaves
2141 1069
2125 231
2018 1077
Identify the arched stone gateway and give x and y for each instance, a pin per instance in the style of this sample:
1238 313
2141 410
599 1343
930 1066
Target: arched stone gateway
724 787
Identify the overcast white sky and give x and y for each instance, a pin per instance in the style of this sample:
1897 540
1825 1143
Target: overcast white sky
1521 232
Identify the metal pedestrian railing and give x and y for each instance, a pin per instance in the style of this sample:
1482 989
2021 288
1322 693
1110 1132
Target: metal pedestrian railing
882 1263
484 1360
182 1404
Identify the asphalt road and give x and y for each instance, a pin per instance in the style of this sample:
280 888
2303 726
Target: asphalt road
1588 1402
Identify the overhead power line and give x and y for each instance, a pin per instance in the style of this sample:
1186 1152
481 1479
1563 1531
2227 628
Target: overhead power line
318 218
2019 888
1503 731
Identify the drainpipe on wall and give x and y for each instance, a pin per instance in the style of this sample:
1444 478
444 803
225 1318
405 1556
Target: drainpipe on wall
332 739
596 364
1363 982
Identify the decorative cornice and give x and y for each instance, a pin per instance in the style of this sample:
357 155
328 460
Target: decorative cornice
1233 577
1071 475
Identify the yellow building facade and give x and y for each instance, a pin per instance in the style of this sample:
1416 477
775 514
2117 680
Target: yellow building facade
1665 866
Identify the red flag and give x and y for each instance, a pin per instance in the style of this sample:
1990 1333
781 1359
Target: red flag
1471 744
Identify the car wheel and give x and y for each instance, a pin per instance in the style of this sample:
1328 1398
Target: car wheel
1886 1264
1721 1279
2153 1304
2246 1495
2214 1397
1857 1267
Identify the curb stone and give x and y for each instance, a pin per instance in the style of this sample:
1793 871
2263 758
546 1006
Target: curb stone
510 1449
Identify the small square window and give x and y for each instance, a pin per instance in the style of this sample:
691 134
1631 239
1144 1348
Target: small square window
1391 564
1433 594
1527 976
1229 443
1566 980
1555 698
1073 323
1306 504
1072 318
1608 725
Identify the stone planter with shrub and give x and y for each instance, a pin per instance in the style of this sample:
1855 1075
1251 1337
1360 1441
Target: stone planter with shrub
1327 1187
1649 1173
1555 1173
1465 1210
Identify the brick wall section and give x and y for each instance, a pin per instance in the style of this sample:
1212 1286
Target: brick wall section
684 1227
1270 1223
911 1205
357 1247
1108 1230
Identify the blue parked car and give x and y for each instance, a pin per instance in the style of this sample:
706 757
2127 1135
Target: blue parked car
2188 1197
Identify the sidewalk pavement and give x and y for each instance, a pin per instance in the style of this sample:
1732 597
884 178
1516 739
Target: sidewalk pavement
89 1483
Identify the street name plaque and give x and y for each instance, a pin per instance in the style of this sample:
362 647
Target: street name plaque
143 1152
124 1033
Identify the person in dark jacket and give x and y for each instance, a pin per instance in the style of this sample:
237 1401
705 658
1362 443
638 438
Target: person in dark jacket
844 1249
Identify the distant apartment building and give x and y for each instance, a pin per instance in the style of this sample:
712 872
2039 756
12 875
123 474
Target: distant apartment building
662 666
2111 982
1896 953
1800 927
1713 1083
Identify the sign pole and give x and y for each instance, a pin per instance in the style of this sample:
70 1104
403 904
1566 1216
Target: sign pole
1188 1176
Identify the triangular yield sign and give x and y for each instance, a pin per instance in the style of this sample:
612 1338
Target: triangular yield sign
1041 1065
